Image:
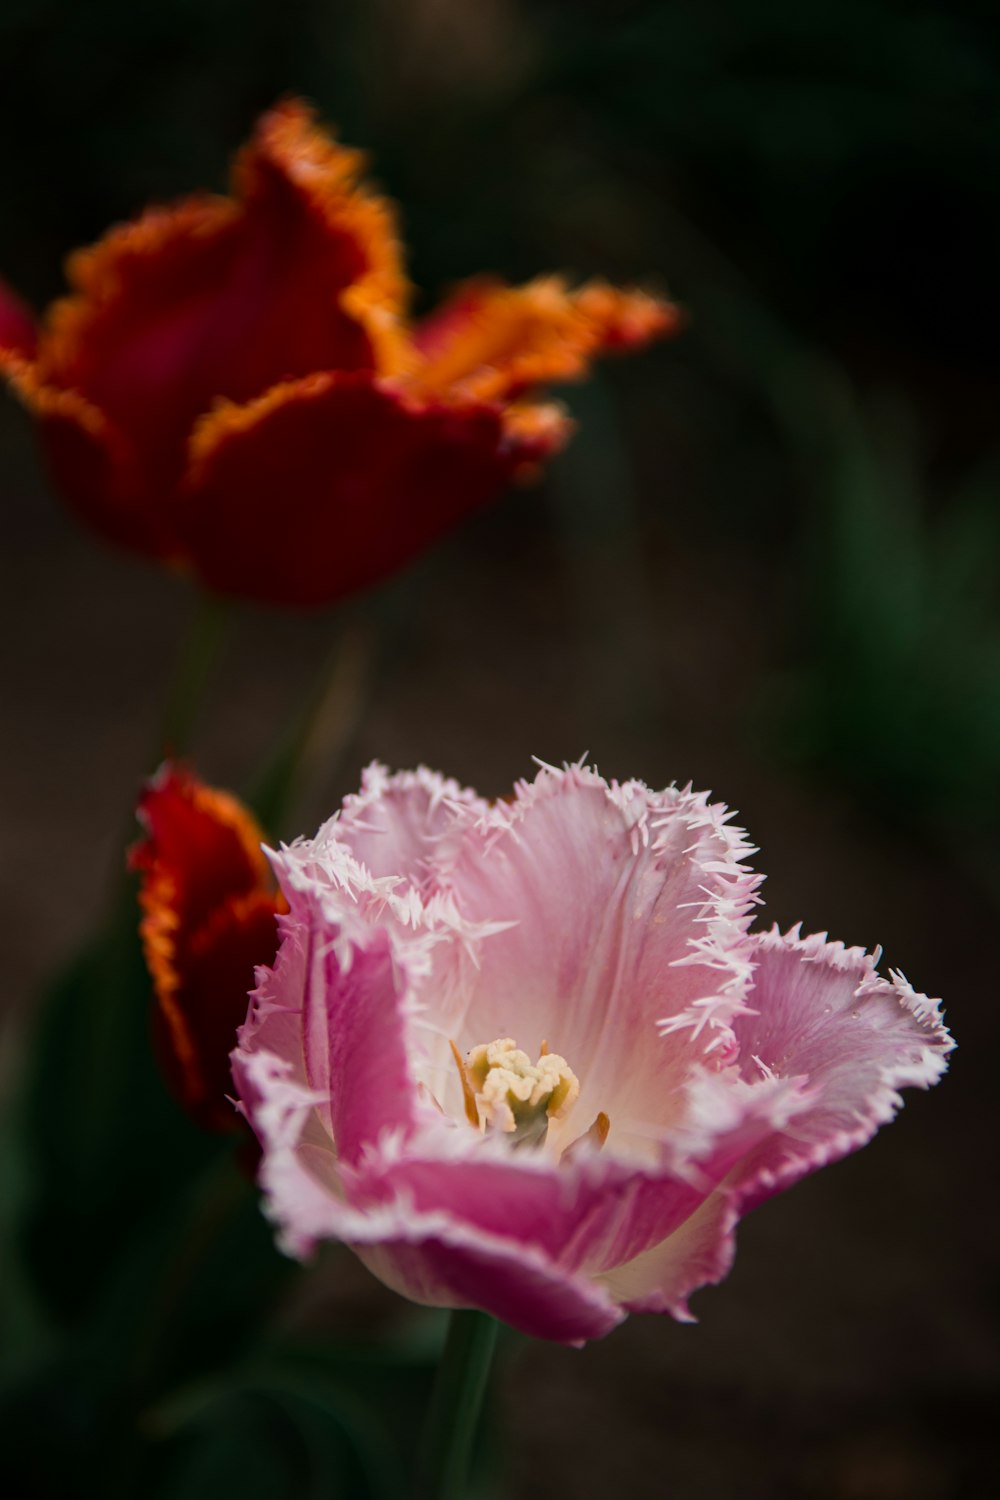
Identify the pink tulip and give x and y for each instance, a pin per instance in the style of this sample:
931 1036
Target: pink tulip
527 1056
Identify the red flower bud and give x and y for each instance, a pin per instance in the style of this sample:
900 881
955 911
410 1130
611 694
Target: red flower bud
209 905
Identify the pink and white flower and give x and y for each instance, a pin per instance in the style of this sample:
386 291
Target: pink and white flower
528 1057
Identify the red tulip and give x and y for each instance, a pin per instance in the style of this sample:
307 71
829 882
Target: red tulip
234 386
209 908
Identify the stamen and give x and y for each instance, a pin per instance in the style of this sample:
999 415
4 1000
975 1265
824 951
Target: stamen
504 1089
468 1092
597 1135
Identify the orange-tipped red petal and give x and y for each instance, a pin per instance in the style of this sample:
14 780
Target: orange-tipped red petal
209 907
233 387
327 484
218 298
91 462
137 337
493 343
290 154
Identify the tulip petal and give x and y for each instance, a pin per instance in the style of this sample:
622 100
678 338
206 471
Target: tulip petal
208 919
459 1267
407 825
661 1279
91 462
195 1025
595 1209
218 298
292 168
628 915
354 1040
585 1220
495 342
436 1258
208 841
348 984
326 484
821 1011
456 1231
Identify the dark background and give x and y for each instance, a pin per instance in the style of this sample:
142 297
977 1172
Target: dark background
767 564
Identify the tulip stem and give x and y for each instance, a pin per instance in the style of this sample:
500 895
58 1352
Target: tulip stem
197 658
455 1405
324 729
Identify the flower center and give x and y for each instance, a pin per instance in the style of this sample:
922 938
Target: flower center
505 1090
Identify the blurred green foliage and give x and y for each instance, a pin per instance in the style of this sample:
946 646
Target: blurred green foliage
899 678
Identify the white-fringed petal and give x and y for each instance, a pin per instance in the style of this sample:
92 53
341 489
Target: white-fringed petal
821 1012
599 922
626 948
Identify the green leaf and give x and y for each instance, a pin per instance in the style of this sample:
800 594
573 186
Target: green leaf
104 1144
275 1430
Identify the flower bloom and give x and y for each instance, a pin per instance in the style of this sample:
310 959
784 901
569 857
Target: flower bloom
209 902
234 385
528 1057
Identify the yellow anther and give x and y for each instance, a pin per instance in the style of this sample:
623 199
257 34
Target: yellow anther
511 1093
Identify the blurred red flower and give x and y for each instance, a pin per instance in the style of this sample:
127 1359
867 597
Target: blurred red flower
209 905
234 386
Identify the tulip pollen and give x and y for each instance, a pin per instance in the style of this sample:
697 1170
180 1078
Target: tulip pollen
502 1088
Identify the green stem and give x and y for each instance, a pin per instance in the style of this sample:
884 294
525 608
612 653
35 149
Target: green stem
323 730
198 657
456 1401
